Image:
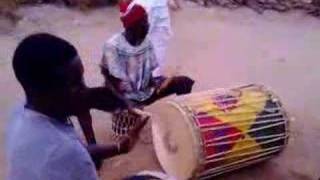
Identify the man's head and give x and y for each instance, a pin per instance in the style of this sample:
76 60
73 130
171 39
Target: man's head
135 21
49 70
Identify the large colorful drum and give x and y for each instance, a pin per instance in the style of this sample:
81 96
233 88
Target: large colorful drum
210 133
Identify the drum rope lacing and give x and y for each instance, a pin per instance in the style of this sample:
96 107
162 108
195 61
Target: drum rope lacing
265 151
249 131
240 149
242 140
236 113
240 124
221 170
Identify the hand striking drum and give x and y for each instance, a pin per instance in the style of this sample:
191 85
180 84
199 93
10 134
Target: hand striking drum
210 133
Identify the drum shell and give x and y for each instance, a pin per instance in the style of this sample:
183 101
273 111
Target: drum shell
232 142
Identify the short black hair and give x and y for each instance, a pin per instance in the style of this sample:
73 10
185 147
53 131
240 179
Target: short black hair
38 59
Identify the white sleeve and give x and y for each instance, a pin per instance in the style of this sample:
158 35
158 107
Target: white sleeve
112 63
69 162
154 61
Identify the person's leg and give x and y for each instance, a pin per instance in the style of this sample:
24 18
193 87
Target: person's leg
178 85
160 40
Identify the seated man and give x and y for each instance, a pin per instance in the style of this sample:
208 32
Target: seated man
129 61
41 141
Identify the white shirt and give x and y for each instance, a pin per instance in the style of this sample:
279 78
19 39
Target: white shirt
41 148
133 65
158 12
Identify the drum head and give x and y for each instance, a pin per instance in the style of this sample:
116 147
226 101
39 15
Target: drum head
175 142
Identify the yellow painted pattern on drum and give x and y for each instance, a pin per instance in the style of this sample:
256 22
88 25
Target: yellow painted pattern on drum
250 104
248 146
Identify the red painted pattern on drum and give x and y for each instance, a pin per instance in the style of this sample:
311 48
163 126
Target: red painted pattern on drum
217 136
206 121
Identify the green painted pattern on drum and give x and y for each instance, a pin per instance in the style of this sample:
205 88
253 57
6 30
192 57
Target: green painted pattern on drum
271 115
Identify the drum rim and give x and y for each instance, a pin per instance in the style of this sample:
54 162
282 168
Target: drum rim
286 116
190 121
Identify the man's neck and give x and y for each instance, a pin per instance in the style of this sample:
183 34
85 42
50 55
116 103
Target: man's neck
45 109
131 39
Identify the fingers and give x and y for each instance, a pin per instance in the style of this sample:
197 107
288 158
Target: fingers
134 133
125 145
129 141
140 113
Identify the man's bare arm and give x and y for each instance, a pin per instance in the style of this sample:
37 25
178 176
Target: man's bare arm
85 121
101 152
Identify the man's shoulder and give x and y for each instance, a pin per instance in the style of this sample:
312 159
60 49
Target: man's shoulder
147 45
148 42
119 44
44 132
114 40
112 44
35 143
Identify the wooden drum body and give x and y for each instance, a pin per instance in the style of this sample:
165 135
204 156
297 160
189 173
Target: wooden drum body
210 133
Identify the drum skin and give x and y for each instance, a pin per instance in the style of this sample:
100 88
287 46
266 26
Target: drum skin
206 134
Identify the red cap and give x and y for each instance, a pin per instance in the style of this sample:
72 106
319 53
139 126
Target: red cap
131 13
123 6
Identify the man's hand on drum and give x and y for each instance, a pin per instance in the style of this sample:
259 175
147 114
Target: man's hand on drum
127 143
141 114
100 152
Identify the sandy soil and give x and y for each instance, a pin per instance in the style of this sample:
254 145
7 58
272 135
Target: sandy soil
218 48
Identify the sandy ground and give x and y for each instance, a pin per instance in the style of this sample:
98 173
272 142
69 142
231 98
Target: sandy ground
218 48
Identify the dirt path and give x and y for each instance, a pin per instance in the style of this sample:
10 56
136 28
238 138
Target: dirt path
217 47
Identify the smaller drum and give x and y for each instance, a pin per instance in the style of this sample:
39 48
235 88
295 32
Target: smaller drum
210 133
123 122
